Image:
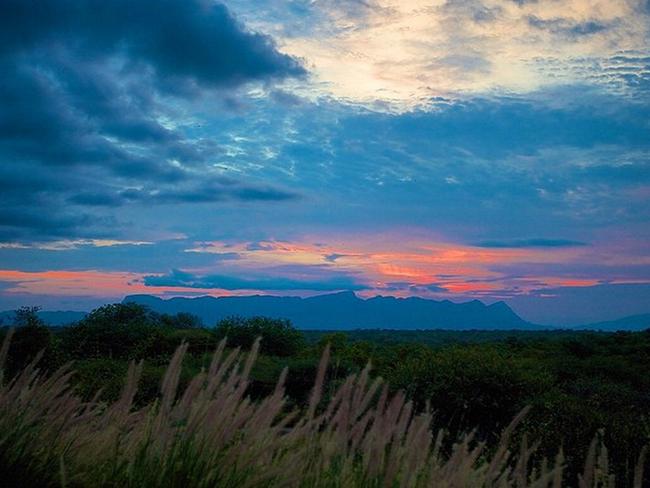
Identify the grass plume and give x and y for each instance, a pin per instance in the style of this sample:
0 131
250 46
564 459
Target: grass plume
212 434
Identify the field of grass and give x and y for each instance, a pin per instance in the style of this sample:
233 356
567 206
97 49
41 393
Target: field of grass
116 401
211 434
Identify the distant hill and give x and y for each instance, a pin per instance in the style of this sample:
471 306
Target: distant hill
631 323
347 311
49 317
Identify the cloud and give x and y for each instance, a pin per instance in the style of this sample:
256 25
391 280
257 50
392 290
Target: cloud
96 199
567 27
178 278
180 40
526 243
549 161
396 55
219 190
259 246
410 288
30 223
331 258
92 97
140 258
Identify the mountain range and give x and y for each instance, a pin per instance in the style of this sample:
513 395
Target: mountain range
50 317
341 311
345 310
631 323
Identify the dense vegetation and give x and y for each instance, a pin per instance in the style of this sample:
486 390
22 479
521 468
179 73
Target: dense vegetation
579 386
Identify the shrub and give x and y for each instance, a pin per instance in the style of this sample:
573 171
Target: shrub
471 387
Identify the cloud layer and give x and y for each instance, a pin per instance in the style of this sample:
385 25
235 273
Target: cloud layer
403 53
492 149
92 113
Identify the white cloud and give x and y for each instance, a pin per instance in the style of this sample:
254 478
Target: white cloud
404 52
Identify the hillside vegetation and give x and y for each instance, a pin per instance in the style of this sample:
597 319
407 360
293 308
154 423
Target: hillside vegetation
127 397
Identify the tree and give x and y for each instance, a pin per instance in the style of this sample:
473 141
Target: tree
120 314
120 330
279 337
181 320
338 342
27 317
31 337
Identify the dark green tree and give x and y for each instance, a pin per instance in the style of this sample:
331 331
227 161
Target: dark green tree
31 337
181 320
120 330
27 317
279 337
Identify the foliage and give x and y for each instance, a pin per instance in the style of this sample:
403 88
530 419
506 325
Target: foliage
181 320
211 434
27 317
129 331
279 338
578 384
30 338
472 387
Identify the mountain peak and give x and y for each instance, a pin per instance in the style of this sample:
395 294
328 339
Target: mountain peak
500 305
339 295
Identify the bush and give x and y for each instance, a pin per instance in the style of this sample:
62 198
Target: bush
100 374
471 387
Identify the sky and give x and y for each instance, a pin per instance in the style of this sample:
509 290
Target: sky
456 149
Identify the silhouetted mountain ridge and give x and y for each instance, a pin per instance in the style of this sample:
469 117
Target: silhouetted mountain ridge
344 310
631 323
50 317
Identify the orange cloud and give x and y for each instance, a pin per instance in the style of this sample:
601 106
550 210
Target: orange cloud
395 261
87 283
404 256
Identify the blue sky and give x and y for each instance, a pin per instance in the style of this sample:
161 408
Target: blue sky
454 149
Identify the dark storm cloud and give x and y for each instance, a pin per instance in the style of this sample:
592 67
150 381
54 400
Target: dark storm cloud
219 192
526 243
187 39
32 223
25 222
178 278
86 86
97 199
209 192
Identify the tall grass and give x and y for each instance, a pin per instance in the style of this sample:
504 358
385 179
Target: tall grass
212 434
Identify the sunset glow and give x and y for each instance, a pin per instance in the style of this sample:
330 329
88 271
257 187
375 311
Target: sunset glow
454 149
